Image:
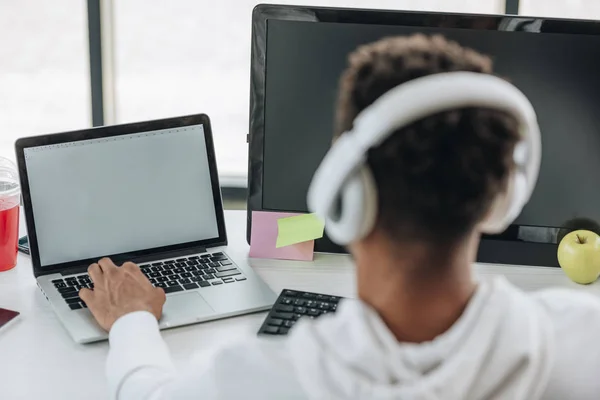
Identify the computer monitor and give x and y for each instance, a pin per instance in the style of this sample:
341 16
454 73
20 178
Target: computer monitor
298 54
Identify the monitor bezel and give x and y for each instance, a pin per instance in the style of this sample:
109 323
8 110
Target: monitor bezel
503 249
111 131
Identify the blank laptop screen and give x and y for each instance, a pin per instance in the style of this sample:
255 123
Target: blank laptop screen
121 194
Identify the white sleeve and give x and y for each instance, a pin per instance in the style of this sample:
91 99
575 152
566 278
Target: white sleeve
138 361
139 366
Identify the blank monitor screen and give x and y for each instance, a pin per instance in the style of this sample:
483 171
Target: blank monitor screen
560 73
121 194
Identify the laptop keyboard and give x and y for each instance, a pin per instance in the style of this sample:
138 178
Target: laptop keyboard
177 275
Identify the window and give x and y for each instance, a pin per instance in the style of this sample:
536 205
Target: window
586 9
44 72
190 56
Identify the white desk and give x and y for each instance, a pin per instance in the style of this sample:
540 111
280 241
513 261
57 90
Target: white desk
38 359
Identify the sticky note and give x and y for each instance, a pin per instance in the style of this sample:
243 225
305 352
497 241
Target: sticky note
263 238
298 229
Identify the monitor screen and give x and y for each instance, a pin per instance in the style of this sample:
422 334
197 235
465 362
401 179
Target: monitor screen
119 194
559 72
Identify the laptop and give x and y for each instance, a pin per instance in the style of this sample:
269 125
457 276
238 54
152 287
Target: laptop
145 192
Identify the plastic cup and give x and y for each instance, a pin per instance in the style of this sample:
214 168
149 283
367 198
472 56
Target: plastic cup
10 198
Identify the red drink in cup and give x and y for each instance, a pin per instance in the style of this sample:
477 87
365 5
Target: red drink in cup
10 198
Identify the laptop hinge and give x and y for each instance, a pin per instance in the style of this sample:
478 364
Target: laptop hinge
141 259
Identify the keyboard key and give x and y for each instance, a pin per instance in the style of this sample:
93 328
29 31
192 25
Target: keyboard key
185 280
275 322
286 301
211 271
172 283
60 285
214 265
281 315
314 312
272 330
203 256
194 258
289 293
190 286
300 310
161 285
75 306
73 300
191 269
228 268
57 281
70 294
227 273
181 264
204 284
181 260
289 324
224 263
217 259
309 296
299 302
154 274
284 308
179 270
144 266
198 273
168 272
156 269
153 281
324 306
186 275
240 278
284 331
209 277
215 283
162 279
173 289
67 289
156 264
228 280
72 283
196 279
296 317
170 262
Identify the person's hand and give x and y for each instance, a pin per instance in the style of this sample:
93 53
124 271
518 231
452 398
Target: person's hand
119 291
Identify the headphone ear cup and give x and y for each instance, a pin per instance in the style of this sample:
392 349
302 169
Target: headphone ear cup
358 209
507 206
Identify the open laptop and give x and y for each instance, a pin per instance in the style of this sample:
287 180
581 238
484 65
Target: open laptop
144 192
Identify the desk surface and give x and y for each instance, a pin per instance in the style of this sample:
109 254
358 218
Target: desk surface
38 359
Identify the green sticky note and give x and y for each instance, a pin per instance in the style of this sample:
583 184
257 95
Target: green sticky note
298 229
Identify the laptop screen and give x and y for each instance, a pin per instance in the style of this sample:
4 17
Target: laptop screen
121 194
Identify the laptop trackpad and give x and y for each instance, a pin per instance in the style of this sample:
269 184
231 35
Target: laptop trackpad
184 308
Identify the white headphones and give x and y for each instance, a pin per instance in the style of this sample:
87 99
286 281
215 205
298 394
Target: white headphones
343 192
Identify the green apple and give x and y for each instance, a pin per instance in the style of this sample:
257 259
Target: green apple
579 256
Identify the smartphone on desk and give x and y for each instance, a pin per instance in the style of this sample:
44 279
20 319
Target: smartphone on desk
7 317
23 245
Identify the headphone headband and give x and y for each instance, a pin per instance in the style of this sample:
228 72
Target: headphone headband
411 102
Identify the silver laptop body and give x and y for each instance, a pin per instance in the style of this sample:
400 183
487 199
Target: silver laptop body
144 192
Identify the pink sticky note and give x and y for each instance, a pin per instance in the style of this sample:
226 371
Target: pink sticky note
263 237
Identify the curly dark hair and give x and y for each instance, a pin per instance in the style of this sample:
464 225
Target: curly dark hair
436 178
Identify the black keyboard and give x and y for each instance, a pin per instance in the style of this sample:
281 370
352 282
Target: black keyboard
291 305
177 275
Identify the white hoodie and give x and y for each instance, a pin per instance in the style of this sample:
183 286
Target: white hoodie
507 345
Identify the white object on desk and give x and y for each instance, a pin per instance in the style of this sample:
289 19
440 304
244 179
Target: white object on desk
39 359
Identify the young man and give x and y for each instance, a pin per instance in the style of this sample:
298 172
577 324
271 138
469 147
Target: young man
422 328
